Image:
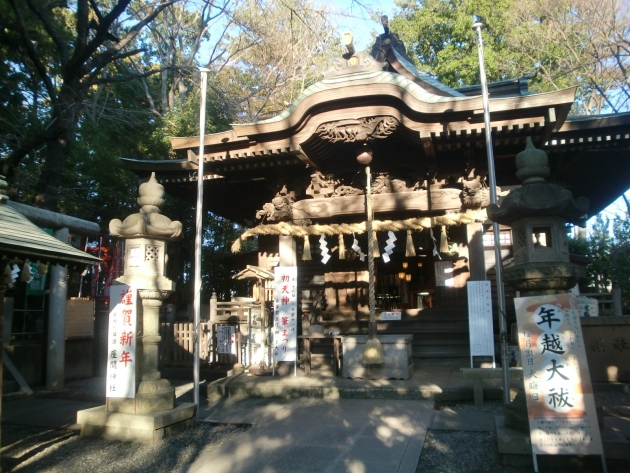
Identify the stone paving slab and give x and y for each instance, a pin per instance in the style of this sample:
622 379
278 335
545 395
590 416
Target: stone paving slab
619 424
53 413
471 421
324 435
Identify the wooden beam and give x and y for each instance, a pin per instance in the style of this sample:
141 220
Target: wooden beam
441 200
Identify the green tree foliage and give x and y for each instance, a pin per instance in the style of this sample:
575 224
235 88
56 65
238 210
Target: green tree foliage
584 43
439 38
285 46
608 246
69 48
564 43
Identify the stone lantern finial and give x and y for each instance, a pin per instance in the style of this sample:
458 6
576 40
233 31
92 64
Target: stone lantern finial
148 222
531 164
151 193
537 197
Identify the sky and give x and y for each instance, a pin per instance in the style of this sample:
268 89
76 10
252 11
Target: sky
354 15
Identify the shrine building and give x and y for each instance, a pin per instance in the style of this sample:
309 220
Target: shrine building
295 177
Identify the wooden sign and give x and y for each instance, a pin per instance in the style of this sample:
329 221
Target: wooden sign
285 314
121 342
480 323
560 402
79 317
226 340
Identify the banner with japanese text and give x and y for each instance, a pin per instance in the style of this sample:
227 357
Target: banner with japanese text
285 314
121 342
560 402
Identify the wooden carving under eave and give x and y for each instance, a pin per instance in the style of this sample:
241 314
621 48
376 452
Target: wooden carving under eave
441 199
358 130
474 194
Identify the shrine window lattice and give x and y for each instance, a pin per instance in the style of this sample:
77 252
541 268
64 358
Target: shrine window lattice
505 239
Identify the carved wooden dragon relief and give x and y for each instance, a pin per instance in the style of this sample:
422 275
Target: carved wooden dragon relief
361 129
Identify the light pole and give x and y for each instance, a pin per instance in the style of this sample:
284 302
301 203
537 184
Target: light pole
495 226
198 237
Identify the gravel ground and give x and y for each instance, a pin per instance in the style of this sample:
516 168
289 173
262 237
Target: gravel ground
61 451
476 452
35 449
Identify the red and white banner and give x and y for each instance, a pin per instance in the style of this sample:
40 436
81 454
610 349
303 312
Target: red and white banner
560 402
285 314
121 342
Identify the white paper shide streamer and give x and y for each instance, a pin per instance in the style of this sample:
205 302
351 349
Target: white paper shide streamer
355 246
435 251
389 248
323 246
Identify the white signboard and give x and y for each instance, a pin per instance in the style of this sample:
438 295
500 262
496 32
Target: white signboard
444 274
285 314
391 315
480 323
560 402
226 340
121 342
587 307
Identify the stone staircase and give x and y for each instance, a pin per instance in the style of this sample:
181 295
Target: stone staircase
437 333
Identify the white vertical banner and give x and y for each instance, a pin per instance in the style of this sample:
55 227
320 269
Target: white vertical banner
285 314
121 342
480 323
560 401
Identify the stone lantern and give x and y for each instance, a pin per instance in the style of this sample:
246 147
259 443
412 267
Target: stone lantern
538 213
146 236
152 414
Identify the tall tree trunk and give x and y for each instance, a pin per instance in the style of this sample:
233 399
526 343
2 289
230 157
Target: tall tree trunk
67 114
164 91
47 189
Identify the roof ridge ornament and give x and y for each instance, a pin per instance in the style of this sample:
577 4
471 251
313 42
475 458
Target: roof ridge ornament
353 62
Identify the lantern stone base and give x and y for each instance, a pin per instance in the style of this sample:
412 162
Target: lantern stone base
152 396
139 428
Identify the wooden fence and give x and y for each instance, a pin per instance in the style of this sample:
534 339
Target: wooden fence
176 347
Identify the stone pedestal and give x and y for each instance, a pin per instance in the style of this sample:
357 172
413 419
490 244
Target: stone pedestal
398 357
140 428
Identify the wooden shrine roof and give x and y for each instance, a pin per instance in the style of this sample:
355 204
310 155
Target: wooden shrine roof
415 125
21 238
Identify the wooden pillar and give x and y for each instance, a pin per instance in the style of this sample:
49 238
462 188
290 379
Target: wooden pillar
476 256
56 337
287 250
3 288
